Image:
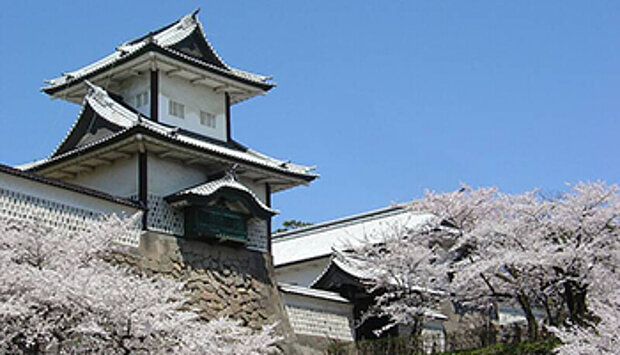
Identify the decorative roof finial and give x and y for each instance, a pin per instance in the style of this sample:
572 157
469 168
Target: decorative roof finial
150 38
97 93
231 173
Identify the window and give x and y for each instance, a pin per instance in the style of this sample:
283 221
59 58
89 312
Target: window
207 119
142 99
176 109
216 222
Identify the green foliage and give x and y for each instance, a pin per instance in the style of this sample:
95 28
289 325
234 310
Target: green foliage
411 346
383 346
291 224
543 347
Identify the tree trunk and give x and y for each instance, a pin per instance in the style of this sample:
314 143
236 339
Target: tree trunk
575 297
532 324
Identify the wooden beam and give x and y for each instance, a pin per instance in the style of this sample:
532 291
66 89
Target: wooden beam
80 168
123 155
264 180
212 167
222 88
68 174
192 161
102 161
165 154
196 80
172 71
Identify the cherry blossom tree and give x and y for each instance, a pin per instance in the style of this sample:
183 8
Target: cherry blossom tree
58 294
402 270
484 246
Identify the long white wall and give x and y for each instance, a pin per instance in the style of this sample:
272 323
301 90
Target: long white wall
62 196
319 317
195 98
61 209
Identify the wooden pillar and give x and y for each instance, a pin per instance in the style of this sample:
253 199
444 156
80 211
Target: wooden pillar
142 186
268 201
155 95
228 126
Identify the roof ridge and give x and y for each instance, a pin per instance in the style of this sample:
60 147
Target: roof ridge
161 29
351 219
312 292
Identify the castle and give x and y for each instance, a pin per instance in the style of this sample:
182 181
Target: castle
153 136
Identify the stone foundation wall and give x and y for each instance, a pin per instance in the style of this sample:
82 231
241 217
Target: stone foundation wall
223 281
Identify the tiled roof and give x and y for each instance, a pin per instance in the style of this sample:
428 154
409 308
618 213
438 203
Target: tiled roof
228 181
109 109
320 240
299 290
162 40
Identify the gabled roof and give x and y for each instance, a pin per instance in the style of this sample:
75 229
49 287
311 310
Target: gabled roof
183 40
124 122
343 271
320 240
211 189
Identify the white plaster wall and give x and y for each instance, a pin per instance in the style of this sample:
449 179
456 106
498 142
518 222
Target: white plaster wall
120 178
260 190
302 274
62 196
196 98
319 317
166 176
131 87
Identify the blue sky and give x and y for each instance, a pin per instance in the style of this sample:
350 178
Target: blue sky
387 98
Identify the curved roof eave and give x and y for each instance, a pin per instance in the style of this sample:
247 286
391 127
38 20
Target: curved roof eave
173 54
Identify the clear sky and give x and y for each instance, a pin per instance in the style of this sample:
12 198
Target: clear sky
387 98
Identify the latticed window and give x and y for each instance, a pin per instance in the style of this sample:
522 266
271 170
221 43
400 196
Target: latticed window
216 222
